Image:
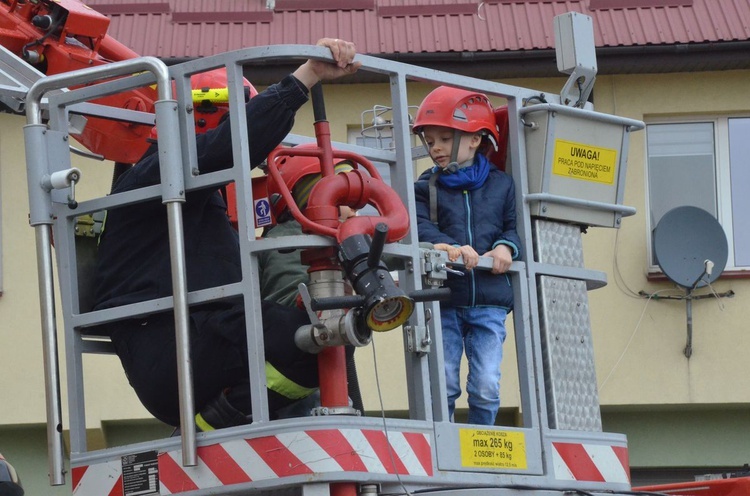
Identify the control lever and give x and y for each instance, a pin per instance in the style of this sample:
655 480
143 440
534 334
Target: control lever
335 302
307 300
376 246
64 179
447 269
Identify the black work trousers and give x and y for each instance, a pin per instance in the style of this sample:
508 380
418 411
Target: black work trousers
218 351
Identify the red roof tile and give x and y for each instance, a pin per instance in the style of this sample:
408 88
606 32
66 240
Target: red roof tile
487 39
194 28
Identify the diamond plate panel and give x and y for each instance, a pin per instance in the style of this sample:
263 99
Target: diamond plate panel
572 396
558 244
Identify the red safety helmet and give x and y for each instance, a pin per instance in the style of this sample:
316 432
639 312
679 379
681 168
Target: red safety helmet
302 172
210 96
455 108
500 155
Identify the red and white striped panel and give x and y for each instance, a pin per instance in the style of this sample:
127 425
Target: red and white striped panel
284 455
103 478
591 462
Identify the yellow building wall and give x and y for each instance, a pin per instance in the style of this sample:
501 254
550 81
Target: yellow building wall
21 363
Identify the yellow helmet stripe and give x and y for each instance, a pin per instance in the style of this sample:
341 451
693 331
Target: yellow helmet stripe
213 95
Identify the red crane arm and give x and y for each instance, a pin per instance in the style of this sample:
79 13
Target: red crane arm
65 35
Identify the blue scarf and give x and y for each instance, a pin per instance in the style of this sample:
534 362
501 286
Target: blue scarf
469 178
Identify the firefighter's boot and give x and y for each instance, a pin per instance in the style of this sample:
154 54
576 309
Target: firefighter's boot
219 413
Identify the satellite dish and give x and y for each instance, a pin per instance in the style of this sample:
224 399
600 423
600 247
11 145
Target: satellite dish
690 247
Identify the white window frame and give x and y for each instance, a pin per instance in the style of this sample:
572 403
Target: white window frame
722 178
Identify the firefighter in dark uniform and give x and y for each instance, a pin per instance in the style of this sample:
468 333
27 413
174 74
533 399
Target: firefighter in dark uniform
134 265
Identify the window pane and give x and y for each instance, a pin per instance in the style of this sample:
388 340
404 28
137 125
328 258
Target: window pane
739 170
681 165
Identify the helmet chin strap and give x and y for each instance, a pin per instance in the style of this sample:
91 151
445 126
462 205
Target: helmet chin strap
453 166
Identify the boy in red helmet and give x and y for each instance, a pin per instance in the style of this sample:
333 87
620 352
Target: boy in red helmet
466 207
134 265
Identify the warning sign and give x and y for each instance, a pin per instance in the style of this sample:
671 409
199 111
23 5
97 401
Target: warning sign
262 213
492 449
140 474
584 162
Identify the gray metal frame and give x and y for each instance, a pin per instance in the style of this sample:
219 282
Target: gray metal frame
46 151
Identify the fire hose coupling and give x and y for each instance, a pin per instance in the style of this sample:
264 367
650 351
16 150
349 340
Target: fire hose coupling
333 328
330 326
385 306
64 179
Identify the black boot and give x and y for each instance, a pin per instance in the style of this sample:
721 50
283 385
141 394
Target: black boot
219 413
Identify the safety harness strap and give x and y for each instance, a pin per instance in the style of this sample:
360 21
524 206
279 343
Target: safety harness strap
432 193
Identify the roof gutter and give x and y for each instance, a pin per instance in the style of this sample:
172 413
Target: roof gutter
683 57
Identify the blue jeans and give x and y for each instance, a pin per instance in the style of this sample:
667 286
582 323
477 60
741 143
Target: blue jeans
480 331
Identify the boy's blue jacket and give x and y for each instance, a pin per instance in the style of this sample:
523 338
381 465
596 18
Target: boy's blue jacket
483 218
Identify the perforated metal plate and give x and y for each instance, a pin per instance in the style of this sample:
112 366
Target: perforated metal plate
572 396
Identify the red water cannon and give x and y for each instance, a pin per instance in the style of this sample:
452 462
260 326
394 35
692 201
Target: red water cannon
337 317
360 239
355 189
